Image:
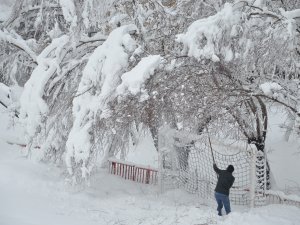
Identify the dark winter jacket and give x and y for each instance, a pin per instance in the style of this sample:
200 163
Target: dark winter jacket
225 180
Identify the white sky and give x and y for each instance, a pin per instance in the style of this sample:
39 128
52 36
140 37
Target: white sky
6 2
5 8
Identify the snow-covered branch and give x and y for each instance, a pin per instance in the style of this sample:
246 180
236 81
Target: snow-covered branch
133 80
17 41
101 76
69 11
202 39
33 107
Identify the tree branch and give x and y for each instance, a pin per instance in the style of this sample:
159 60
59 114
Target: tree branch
278 101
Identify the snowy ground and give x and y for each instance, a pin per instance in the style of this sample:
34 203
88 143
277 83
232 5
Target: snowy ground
33 193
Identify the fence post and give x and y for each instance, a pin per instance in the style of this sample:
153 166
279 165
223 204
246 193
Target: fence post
147 176
113 167
253 178
133 173
261 178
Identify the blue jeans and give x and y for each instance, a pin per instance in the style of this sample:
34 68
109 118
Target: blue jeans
222 200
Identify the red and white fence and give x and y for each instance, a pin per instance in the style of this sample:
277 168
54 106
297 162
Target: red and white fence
133 172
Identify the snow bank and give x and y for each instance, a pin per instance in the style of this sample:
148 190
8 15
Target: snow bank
202 37
282 152
10 95
133 80
99 81
11 130
284 196
268 215
5 94
34 193
33 106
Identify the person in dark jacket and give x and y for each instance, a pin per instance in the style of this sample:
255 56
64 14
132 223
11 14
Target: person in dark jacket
225 182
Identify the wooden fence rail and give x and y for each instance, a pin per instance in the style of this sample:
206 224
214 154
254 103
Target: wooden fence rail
133 172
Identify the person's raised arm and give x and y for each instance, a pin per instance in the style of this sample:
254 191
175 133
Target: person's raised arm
216 169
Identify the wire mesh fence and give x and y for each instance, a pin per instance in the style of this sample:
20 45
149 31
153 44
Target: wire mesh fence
196 174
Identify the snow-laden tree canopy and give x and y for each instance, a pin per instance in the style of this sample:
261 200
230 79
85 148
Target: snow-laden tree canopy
97 87
94 71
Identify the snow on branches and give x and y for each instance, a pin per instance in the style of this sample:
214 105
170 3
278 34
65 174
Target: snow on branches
203 37
16 40
99 81
133 80
69 11
5 95
33 106
87 88
231 32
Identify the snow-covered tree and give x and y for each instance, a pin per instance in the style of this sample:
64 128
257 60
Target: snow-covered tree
94 71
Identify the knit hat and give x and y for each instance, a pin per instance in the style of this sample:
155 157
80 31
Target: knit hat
230 168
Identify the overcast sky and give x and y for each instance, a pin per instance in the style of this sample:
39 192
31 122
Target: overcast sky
6 2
